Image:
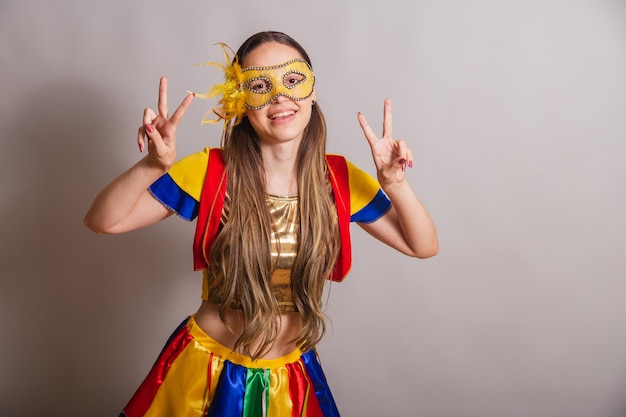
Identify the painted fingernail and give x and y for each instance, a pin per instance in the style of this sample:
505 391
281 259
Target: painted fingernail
410 164
149 128
140 147
402 161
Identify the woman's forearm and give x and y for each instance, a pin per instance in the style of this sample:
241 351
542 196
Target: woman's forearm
413 220
120 205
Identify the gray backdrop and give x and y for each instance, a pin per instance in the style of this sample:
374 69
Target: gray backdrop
515 111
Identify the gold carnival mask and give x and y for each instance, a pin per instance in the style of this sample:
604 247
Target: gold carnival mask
293 79
255 87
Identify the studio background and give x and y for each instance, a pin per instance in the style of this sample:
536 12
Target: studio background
515 112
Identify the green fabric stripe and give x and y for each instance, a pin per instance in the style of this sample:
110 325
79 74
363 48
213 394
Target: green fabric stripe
257 387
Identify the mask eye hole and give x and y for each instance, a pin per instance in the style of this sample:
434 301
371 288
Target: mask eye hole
259 85
292 79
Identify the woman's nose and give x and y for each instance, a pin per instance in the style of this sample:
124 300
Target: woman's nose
280 99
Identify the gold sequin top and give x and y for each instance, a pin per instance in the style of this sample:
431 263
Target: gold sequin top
285 231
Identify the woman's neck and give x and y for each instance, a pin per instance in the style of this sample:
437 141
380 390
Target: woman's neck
279 163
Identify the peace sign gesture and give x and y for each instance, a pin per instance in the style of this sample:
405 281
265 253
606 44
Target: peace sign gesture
390 156
160 129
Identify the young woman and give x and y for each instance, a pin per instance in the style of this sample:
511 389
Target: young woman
273 213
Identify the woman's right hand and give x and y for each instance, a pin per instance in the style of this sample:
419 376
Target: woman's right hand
160 129
126 204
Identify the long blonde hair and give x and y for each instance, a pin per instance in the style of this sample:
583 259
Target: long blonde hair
241 252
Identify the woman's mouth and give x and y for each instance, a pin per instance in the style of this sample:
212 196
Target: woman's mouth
275 116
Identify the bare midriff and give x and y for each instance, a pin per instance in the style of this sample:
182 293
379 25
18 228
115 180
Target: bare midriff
208 318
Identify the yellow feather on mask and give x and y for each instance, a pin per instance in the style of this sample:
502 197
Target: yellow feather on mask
232 102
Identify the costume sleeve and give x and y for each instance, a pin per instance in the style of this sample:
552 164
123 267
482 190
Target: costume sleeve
180 188
368 202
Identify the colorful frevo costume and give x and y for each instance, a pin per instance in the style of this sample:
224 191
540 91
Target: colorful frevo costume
197 376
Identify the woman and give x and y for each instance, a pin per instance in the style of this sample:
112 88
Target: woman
273 213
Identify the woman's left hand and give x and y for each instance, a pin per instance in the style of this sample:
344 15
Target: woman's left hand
390 156
406 226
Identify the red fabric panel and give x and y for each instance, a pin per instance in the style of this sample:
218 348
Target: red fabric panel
341 189
210 211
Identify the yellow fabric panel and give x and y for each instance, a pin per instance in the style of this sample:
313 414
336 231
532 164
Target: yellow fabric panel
217 364
363 187
189 173
280 403
183 392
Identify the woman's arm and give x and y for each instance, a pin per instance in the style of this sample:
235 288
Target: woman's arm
407 226
125 204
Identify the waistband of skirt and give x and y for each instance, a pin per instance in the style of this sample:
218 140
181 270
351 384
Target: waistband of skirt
227 353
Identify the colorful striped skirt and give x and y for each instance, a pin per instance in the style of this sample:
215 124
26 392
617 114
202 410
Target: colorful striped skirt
196 376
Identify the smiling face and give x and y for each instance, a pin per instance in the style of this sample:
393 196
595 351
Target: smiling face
281 92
